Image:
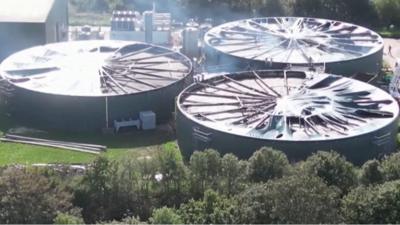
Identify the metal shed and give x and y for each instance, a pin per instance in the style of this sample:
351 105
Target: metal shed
293 111
86 85
26 23
281 42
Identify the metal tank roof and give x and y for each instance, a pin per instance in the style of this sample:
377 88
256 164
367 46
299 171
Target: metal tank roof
288 105
95 68
294 40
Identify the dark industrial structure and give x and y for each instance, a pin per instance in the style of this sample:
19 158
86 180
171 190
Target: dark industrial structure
282 42
87 85
293 111
27 23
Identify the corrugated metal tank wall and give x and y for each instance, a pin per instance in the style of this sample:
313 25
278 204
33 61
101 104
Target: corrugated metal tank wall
71 113
358 149
368 64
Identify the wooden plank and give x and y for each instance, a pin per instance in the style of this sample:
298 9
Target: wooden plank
19 137
49 145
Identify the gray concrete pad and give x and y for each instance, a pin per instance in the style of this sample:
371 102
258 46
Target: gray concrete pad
395 53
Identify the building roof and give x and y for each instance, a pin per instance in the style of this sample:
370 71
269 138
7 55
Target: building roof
25 11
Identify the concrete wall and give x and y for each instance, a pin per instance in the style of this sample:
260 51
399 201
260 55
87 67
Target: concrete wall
18 36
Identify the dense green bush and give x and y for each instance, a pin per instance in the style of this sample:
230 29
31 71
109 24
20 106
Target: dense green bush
388 12
64 218
205 171
371 173
28 197
212 209
173 188
165 216
391 167
332 168
114 190
374 204
292 199
233 175
324 188
266 164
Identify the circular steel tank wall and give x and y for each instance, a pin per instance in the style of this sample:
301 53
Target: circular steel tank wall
279 42
293 111
67 86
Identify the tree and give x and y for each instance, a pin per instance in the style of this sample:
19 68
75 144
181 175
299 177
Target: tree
353 11
28 197
293 199
233 175
212 209
388 11
92 193
371 173
373 204
266 164
277 8
205 170
165 216
332 168
92 5
112 190
391 167
174 175
115 4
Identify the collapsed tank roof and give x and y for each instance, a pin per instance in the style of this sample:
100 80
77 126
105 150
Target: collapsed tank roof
288 105
95 68
294 40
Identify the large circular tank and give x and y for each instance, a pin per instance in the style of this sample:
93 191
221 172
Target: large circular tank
277 42
293 111
82 85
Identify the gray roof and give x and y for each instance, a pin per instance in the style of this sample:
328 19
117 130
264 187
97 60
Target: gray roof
288 105
294 40
25 11
95 68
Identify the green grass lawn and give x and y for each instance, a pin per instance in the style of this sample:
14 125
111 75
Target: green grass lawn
131 143
28 154
389 33
11 153
126 145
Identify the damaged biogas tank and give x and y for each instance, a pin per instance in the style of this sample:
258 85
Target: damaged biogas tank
281 42
296 112
84 85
